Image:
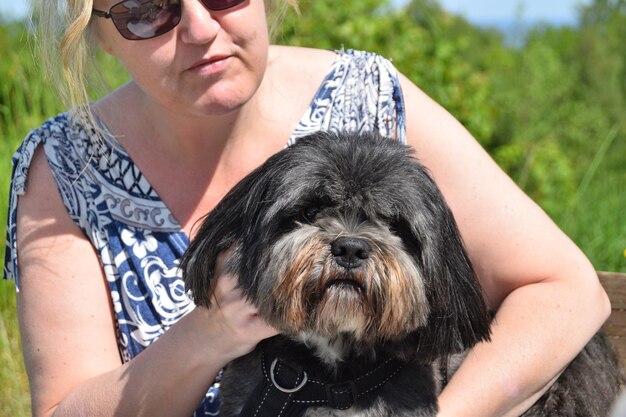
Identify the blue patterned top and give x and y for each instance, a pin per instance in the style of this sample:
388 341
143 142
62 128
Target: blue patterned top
136 237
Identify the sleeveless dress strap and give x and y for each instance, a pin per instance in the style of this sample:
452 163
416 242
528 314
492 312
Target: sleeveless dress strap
361 93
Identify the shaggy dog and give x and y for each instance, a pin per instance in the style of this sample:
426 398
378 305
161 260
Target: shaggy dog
345 244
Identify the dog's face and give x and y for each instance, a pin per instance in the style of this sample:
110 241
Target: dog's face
345 234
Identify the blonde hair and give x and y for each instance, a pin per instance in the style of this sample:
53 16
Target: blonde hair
276 11
67 47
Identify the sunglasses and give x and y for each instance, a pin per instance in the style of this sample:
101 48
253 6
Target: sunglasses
145 19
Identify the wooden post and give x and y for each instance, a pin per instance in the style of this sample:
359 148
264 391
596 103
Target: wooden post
615 286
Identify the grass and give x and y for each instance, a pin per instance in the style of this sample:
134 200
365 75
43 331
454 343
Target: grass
14 395
16 113
596 219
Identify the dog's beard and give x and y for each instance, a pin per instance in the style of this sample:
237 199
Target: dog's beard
310 293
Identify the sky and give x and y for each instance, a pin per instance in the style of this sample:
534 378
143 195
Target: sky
477 11
13 8
487 11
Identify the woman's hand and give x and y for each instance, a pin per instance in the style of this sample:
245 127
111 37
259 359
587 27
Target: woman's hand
238 320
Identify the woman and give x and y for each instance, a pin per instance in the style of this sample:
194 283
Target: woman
114 193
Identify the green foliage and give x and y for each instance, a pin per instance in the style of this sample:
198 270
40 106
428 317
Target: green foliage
550 111
561 129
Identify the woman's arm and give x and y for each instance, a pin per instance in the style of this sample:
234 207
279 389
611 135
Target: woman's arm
548 298
68 331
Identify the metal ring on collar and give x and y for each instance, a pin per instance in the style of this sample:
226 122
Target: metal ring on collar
287 390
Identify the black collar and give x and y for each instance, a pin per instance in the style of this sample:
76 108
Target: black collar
287 389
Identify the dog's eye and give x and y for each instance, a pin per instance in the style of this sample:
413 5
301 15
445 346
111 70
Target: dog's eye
309 214
394 226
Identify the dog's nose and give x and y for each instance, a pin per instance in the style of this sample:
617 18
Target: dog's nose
350 252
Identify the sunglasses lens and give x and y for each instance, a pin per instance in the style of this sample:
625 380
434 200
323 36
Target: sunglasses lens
145 19
221 4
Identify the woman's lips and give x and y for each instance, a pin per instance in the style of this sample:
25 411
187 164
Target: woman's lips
210 66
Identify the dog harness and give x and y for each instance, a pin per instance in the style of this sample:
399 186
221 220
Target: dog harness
287 390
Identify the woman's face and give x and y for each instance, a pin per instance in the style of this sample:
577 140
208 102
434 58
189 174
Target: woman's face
211 63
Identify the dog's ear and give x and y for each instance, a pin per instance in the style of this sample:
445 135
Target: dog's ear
458 313
459 317
220 230
227 226
237 223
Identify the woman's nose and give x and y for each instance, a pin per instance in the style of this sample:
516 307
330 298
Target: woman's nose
197 24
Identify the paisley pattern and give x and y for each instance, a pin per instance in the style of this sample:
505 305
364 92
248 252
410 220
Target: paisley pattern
360 93
136 237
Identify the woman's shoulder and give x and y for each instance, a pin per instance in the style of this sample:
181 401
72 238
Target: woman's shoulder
298 67
312 61
61 130
44 154
61 125
301 71
24 154
303 56
63 139
348 88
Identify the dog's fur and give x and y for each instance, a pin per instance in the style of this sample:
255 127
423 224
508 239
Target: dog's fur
346 246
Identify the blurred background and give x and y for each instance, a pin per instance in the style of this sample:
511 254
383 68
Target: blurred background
541 85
